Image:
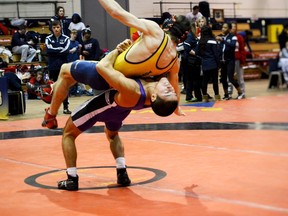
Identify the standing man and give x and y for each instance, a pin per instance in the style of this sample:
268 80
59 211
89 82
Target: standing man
57 46
194 15
20 45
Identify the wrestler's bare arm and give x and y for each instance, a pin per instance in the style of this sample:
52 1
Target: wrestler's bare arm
117 12
173 79
115 78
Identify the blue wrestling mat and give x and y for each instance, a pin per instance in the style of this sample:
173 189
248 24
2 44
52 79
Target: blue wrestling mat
201 104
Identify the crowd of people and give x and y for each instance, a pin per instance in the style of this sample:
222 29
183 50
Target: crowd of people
70 40
207 58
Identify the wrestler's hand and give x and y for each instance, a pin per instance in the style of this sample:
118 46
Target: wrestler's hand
179 111
121 47
51 86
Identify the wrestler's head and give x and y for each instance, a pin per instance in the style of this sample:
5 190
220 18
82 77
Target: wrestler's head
164 100
178 29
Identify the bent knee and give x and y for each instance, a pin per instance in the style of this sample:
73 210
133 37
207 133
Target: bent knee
65 72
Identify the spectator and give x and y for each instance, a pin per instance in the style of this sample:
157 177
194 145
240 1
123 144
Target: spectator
192 67
35 85
20 45
77 24
74 47
228 44
209 51
90 49
247 34
283 62
14 83
74 54
240 57
57 47
60 16
283 36
194 15
7 53
200 22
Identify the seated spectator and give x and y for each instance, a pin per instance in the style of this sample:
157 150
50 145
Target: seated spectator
283 62
20 45
14 83
7 53
37 86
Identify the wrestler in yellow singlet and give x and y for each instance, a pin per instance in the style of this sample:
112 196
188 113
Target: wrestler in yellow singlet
147 67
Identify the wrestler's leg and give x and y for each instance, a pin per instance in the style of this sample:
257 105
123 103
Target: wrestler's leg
70 133
60 92
61 88
116 145
117 149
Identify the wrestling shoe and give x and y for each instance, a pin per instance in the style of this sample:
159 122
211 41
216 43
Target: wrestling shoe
70 184
122 177
49 121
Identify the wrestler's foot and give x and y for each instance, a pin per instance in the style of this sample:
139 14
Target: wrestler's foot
70 184
122 177
49 121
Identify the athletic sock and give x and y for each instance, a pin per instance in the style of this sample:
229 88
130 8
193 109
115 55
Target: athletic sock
72 171
120 162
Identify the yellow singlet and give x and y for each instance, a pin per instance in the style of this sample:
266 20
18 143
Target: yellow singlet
147 67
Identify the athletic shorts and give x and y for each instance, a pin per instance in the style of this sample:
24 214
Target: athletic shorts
85 72
100 108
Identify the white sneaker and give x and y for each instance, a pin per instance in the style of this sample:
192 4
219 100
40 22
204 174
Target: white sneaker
241 96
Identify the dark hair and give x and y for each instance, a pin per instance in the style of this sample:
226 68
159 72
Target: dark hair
180 28
228 24
76 18
55 23
196 7
165 15
58 9
249 33
163 108
206 34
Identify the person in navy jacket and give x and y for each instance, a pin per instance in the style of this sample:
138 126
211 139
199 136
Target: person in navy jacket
228 42
57 47
90 48
209 51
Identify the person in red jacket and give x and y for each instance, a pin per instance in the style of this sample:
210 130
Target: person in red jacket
240 57
37 87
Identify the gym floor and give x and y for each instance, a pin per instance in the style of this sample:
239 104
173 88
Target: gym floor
225 158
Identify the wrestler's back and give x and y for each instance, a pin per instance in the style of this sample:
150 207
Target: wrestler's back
147 57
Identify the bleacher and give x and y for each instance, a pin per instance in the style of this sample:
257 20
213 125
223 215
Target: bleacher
5 40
